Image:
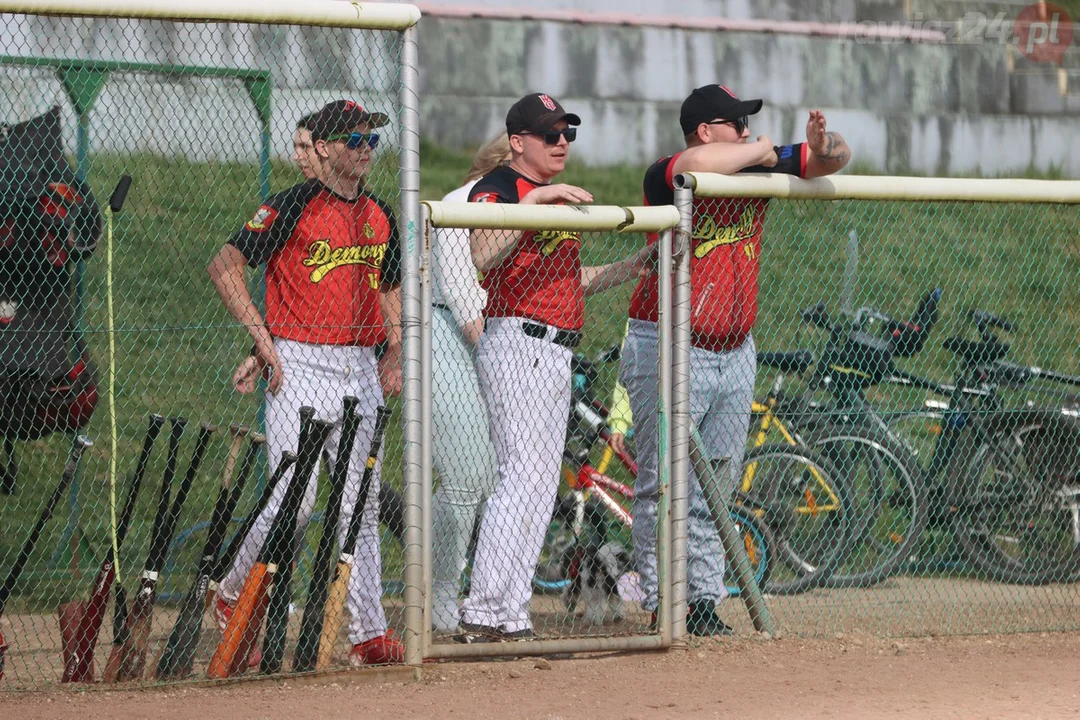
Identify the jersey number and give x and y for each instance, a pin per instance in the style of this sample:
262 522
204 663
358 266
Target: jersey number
373 281
751 253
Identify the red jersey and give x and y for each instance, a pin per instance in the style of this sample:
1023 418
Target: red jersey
326 258
541 278
726 246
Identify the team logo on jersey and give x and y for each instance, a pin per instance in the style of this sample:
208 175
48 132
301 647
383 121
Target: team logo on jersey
262 220
369 232
487 198
548 102
324 258
712 235
550 240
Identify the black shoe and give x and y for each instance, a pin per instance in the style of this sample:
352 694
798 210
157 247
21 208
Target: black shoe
526 634
702 620
471 633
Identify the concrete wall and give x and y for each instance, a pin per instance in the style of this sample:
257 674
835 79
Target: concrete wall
939 109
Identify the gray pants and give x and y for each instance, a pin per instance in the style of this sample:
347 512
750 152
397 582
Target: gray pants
721 391
464 457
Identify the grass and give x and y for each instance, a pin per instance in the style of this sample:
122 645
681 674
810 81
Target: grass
177 347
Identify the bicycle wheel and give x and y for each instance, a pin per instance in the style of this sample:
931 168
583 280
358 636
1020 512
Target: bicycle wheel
805 504
1020 517
758 543
888 496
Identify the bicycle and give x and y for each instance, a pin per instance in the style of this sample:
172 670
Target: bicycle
776 478
1021 519
987 516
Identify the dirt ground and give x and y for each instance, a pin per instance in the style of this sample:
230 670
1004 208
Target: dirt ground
1035 675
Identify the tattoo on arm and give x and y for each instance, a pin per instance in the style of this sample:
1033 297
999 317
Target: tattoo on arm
835 150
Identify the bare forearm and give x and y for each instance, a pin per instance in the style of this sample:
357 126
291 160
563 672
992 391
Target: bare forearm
491 247
831 157
230 280
598 278
390 301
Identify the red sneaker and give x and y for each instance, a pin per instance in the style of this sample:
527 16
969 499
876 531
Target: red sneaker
383 650
222 614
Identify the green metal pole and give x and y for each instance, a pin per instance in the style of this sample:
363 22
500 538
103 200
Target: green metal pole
711 487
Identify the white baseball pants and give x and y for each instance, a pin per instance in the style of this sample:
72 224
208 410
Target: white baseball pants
320 376
464 458
526 383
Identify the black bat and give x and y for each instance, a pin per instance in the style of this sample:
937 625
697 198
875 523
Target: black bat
307 646
283 551
80 445
80 621
132 652
227 558
242 631
178 656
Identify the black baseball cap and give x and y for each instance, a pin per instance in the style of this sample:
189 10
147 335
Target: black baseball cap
713 102
537 113
343 116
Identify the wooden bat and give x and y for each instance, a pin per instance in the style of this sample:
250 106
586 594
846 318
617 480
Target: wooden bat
242 632
80 445
80 622
307 646
178 656
132 652
339 590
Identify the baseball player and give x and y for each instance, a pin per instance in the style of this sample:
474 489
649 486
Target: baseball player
533 318
332 277
726 247
304 156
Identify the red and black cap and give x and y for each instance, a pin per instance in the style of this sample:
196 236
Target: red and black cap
714 102
537 113
342 116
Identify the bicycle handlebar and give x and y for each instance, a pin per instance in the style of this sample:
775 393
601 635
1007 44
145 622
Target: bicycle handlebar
983 319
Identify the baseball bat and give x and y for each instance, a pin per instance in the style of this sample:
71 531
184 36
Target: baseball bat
284 553
80 445
130 655
231 656
339 589
307 646
178 656
226 559
80 621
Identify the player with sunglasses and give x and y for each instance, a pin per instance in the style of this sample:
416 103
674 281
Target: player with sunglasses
332 296
534 314
723 289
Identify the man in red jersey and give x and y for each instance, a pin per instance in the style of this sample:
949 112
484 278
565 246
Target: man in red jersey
726 246
535 311
332 276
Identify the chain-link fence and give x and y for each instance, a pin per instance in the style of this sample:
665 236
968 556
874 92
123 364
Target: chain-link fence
910 462
112 328
916 353
532 523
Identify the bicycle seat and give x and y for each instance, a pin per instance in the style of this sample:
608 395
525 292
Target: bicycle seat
794 361
977 353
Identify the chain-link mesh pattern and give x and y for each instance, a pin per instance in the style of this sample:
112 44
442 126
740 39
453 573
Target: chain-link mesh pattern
202 118
913 451
535 532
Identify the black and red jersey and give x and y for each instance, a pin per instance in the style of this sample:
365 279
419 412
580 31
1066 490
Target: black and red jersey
326 258
726 245
541 278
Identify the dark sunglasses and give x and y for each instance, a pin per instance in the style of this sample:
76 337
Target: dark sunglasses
739 124
551 137
355 140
